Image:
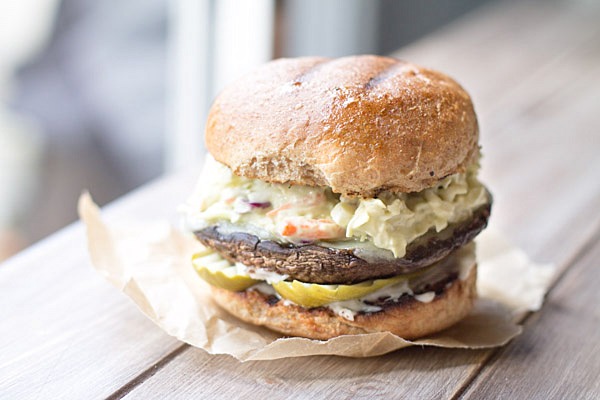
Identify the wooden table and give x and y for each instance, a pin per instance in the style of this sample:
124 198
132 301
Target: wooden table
533 69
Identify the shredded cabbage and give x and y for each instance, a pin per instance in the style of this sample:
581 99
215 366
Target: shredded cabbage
390 221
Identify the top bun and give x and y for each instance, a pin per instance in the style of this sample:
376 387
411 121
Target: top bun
360 124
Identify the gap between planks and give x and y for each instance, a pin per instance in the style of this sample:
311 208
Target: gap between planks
581 252
147 373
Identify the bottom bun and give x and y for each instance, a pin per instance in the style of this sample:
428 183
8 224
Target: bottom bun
407 318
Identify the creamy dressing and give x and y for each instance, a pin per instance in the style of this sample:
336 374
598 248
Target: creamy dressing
349 308
261 274
392 221
466 260
265 288
426 297
302 214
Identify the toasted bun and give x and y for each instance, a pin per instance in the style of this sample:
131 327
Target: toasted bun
358 124
409 319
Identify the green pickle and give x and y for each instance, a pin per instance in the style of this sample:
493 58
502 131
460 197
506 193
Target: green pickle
220 273
315 295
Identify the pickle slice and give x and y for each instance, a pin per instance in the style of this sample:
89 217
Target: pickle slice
219 272
315 295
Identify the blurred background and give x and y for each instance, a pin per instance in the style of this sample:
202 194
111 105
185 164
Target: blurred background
107 95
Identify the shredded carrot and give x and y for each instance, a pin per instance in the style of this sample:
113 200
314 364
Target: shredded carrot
276 211
289 230
311 229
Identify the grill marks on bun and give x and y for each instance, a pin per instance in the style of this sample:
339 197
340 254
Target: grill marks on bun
310 70
384 74
357 124
348 73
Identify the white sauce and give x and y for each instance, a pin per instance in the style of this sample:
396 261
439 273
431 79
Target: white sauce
264 288
261 274
426 297
466 259
349 308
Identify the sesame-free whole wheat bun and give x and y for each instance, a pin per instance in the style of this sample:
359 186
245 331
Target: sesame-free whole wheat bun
359 125
342 198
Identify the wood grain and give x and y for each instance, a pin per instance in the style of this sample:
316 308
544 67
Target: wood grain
414 372
64 331
558 355
532 69
495 50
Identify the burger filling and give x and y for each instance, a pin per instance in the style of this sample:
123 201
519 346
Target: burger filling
344 300
300 214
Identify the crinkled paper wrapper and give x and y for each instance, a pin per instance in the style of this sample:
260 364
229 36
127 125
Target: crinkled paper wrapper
150 263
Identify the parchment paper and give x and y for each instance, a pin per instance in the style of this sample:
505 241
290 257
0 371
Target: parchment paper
151 263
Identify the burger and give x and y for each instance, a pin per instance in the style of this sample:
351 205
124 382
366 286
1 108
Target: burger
341 197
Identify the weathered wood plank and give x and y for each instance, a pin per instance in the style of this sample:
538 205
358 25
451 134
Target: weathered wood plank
558 356
411 373
66 333
557 139
497 48
568 140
